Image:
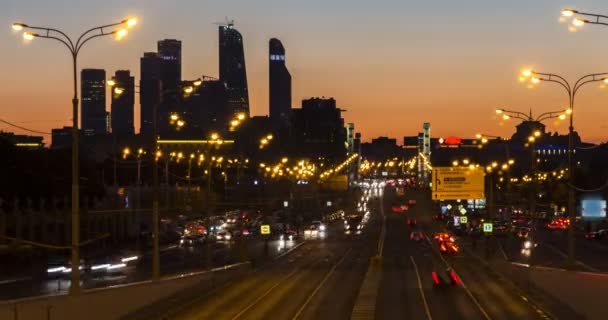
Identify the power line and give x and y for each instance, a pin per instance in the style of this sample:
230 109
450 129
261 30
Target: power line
23 128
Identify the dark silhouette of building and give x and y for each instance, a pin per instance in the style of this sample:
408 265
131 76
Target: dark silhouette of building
319 130
232 68
61 138
149 89
170 52
380 149
205 110
93 97
23 141
279 84
123 103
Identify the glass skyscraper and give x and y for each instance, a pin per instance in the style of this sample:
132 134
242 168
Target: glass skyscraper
279 84
123 103
149 89
93 97
232 68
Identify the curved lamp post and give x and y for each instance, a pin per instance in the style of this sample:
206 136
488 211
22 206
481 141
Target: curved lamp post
119 30
571 89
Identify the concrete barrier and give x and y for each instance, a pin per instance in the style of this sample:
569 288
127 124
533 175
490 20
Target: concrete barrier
118 301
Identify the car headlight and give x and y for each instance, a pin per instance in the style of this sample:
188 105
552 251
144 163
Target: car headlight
322 228
347 227
281 237
290 237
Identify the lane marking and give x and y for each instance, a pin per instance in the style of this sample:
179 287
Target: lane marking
15 280
502 250
466 289
238 315
382 231
314 292
426 306
290 250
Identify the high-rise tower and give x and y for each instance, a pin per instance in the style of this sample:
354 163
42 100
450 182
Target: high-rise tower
93 96
123 100
149 89
232 68
279 84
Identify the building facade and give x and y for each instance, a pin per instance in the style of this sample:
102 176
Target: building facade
123 101
150 87
93 97
279 84
232 68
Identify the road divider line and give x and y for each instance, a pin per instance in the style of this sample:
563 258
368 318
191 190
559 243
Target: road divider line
290 250
314 292
426 305
466 289
502 250
14 280
291 274
382 231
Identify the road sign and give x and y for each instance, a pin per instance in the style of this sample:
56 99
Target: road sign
463 210
487 227
265 229
449 206
456 183
456 221
464 220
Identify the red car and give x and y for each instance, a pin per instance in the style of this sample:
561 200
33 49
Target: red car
597 235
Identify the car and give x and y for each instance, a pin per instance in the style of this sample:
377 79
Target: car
449 248
597 235
416 236
319 225
289 235
559 224
523 232
412 222
353 225
191 240
223 236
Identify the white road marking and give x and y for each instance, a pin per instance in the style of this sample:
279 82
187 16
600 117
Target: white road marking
426 306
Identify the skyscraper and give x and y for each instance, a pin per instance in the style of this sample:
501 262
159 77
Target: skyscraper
123 101
279 84
149 89
93 96
232 68
170 52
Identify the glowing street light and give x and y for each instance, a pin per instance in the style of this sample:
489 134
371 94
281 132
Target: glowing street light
568 12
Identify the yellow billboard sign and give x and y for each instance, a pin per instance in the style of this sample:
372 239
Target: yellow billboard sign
458 183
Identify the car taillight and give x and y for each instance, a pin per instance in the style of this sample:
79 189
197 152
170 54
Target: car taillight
435 278
455 279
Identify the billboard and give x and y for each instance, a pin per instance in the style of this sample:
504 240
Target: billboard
458 183
593 208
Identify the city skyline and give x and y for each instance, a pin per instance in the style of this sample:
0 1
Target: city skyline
441 67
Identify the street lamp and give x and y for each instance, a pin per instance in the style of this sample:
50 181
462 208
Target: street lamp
571 89
579 22
74 48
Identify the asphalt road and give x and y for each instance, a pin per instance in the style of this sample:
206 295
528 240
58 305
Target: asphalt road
174 260
480 295
319 280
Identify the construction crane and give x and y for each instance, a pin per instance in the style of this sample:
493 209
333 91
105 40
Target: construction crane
228 23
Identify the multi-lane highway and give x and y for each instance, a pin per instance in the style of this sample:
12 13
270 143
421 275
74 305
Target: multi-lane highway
321 279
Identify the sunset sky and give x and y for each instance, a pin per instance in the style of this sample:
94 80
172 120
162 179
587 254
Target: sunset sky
393 64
